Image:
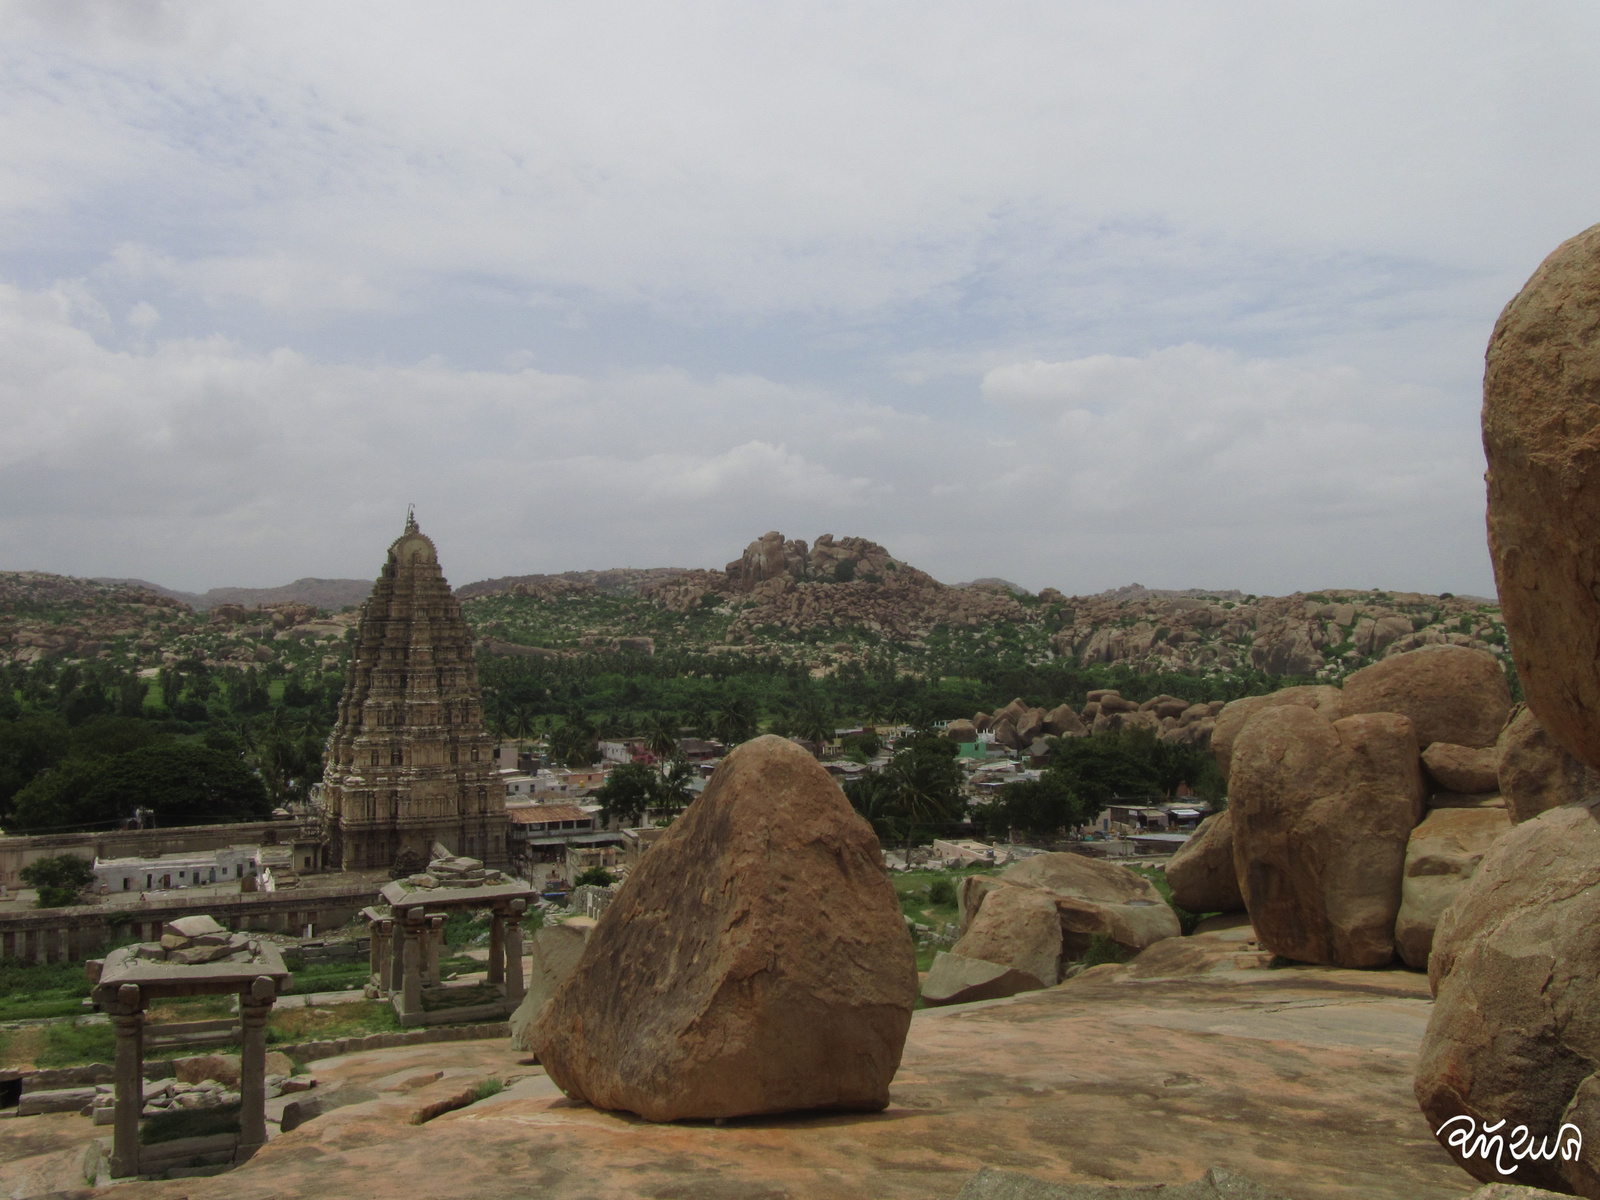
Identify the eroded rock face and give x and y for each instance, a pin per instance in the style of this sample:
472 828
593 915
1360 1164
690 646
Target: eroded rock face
756 961
1091 897
1201 874
1515 970
1321 812
957 979
1441 855
1540 426
1232 719
1017 928
556 950
1535 774
1451 693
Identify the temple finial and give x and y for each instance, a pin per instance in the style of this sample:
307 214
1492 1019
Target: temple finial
411 518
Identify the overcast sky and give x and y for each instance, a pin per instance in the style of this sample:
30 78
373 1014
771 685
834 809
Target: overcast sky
1076 294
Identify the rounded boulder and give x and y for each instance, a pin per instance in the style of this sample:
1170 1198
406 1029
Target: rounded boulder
755 961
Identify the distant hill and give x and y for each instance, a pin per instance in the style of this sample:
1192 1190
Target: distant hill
618 581
332 594
996 583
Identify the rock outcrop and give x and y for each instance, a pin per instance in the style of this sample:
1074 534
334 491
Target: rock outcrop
1463 769
756 961
1019 928
1451 693
1534 773
1321 812
956 979
555 951
1540 425
1441 855
1201 873
1515 971
1329 701
1092 898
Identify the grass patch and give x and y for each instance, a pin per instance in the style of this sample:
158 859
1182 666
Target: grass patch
67 1044
327 1021
1186 920
29 991
189 1122
488 1087
191 1008
329 977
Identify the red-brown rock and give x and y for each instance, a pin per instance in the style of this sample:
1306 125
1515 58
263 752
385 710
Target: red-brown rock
1441 855
1232 719
1321 812
756 961
1201 874
1536 774
1467 770
1541 425
1515 971
1451 693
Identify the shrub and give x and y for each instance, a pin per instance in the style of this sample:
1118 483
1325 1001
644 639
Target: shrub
1103 950
942 892
597 876
58 879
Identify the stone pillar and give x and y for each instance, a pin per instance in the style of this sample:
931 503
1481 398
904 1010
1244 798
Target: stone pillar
374 947
435 937
514 976
254 1007
382 937
497 947
128 1019
411 992
397 950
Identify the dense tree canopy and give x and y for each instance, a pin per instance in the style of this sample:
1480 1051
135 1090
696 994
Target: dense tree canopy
181 783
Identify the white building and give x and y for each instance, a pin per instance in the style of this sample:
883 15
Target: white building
166 872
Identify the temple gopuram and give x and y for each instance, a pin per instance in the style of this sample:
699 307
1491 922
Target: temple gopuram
410 762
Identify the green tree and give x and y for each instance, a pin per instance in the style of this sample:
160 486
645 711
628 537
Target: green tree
181 782
627 794
661 735
58 880
736 721
1040 807
595 877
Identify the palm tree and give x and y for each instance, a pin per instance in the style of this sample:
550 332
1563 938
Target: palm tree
661 735
736 722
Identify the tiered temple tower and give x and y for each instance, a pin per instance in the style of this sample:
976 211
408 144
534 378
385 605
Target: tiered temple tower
410 762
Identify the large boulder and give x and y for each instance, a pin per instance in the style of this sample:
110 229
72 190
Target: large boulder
1005 734
956 979
1061 721
555 951
961 731
1321 812
755 961
1091 898
1236 714
1515 970
1030 725
1536 774
1441 855
1541 424
1017 927
969 898
1201 874
1451 693
1465 770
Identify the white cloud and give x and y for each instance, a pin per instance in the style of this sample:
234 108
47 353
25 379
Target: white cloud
198 463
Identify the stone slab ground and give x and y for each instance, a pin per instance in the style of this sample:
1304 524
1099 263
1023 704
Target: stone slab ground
1190 1058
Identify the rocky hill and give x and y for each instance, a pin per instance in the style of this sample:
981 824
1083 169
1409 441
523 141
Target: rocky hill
332 594
822 604
846 599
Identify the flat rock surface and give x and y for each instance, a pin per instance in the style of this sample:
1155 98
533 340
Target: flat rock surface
1299 1079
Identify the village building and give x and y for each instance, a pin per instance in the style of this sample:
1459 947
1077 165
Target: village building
163 872
410 762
